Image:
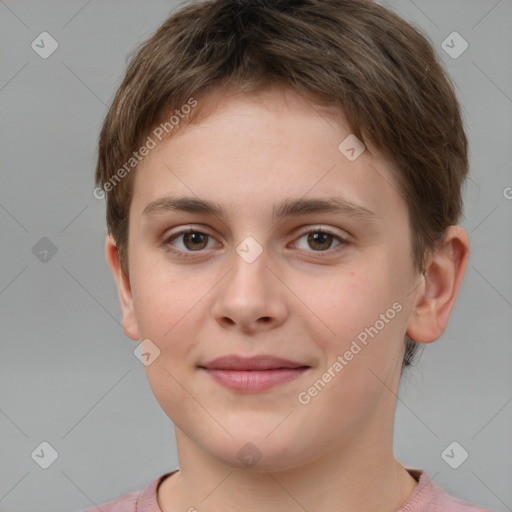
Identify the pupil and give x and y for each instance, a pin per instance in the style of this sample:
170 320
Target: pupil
320 238
195 238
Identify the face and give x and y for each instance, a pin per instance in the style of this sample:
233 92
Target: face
288 250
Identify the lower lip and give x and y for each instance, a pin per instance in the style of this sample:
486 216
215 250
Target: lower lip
252 381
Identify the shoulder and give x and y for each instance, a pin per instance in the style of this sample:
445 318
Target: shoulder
429 498
126 503
442 501
136 501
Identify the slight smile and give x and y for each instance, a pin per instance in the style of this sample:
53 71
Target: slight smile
253 374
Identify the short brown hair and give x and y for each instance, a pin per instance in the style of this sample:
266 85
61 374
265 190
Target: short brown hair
352 54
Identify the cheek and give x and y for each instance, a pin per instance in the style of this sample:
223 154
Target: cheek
170 317
170 313
359 313
345 301
172 310
163 296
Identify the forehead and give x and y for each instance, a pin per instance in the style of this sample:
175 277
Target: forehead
254 149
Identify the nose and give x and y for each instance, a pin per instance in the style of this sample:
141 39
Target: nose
251 297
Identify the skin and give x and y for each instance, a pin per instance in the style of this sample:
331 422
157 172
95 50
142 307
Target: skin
299 300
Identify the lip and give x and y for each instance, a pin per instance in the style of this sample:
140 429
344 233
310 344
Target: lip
253 374
262 362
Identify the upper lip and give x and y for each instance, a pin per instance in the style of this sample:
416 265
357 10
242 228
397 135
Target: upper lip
262 362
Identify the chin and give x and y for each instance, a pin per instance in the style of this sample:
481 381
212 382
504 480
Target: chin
259 453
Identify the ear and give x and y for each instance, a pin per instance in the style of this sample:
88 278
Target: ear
129 322
435 296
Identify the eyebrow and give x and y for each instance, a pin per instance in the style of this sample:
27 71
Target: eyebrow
287 208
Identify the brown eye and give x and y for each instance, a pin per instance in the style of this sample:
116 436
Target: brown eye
195 240
319 240
189 240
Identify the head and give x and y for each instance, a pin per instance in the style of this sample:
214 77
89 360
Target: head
243 106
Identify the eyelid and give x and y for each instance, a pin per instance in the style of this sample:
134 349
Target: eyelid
343 240
199 229
314 228
183 231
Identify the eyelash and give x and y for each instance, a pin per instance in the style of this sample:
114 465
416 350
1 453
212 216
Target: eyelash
185 254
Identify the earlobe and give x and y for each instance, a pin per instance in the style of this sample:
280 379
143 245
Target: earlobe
129 322
441 281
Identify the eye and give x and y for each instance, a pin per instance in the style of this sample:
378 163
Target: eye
191 240
320 240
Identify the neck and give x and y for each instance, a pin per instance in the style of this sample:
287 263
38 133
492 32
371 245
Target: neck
352 476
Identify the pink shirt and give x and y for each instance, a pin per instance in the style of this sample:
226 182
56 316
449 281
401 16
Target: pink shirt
425 498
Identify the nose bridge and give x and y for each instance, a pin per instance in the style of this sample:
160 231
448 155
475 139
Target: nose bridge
250 294
250 272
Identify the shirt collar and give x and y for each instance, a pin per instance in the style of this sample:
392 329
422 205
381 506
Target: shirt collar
417 501
147 501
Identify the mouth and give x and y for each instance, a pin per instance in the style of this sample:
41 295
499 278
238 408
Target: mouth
253 374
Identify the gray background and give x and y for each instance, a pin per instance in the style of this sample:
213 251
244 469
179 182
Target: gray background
68 375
